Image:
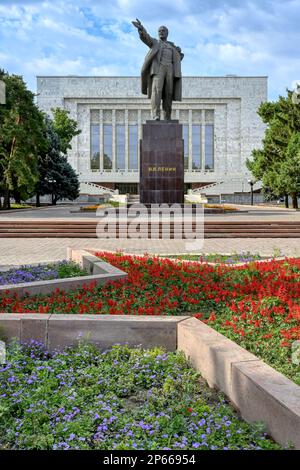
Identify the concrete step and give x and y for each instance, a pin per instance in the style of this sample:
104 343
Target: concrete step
159 236
212 229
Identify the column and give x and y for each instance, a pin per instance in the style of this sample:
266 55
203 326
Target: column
203 139
190 140
126 141
101 138
139 134
113 117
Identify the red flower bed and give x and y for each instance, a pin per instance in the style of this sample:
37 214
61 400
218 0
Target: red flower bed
257 305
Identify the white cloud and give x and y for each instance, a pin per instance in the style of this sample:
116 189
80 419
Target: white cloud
218 37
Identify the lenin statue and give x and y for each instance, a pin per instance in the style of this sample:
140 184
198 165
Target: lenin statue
161 72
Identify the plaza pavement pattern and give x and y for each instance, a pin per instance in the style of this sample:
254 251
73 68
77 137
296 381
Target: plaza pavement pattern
15 251
26 251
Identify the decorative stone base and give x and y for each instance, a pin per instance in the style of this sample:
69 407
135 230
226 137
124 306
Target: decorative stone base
162 163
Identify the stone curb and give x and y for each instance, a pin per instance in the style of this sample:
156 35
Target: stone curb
258 391
177 260
100 273
59 330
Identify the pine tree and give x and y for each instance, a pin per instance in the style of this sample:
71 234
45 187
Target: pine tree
56 175
270 163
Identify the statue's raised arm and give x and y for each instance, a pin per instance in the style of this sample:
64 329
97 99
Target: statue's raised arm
144 36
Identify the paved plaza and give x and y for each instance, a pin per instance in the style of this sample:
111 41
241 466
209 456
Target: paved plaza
20 251
15 251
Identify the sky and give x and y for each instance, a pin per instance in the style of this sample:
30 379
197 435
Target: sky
89 37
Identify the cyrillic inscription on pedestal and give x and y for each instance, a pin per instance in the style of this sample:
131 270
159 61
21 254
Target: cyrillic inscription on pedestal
162 163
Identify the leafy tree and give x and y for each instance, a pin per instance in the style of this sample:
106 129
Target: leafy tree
270 164
21 137
65 127
290 168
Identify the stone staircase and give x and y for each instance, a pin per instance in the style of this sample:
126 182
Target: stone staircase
133 199
95 189
87 229
228 186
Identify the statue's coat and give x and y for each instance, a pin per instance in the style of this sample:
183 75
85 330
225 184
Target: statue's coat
151 66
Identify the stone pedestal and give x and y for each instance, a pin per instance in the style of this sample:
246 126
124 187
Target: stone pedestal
162 163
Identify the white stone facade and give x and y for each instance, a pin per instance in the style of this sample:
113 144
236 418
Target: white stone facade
229 104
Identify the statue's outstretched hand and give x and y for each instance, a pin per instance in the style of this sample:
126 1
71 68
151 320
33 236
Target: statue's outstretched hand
138 25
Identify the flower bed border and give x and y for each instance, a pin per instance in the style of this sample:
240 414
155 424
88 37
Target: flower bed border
100 273
92 251
257 390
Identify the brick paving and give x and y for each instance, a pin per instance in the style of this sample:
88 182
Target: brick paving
15 251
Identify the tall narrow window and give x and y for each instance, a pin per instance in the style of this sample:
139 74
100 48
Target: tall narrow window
185 132
107 146
120 147
209 147
133 147
196 147
95 147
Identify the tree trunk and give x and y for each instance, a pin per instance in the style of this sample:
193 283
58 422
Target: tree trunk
286 200
0 202
37 200
6 202
17 197
295 200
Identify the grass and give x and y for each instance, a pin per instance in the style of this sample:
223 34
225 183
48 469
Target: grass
18 206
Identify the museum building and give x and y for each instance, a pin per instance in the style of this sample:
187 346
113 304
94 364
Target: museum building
219 117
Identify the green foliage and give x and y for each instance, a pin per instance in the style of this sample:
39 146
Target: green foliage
276 164
33 148
70 269
289 171
21 137
65 127
57 176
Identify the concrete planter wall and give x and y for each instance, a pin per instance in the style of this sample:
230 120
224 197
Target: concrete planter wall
58 331
100 273
258 391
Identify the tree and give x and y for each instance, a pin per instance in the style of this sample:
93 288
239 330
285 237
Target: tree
21 137
65 127
270 163
56 176
290 168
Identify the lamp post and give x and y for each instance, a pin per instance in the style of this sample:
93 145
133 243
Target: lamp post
51 181
251 190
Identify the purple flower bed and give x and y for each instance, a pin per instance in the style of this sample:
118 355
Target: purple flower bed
60 270
120 399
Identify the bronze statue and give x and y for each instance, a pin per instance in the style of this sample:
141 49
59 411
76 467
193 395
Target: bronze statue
161 72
